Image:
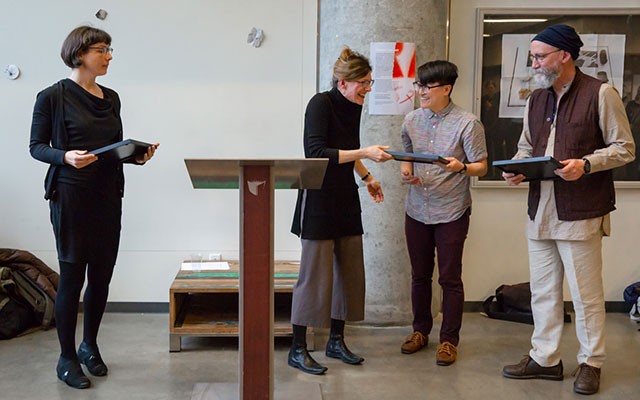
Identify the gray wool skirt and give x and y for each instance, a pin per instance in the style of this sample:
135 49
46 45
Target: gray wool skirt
331 282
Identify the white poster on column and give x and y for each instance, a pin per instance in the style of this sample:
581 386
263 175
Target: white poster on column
602 57
394 71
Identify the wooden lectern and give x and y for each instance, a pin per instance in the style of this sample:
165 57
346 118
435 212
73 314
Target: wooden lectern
256 180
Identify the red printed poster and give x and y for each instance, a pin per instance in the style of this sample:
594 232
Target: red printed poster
394 71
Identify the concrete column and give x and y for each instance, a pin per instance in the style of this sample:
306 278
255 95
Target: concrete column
357 23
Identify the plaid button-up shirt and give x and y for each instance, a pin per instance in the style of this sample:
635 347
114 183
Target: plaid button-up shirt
441 196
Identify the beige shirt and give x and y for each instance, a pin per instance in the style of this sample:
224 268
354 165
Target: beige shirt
620 150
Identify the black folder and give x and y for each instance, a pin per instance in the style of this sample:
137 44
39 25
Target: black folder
417 157
122 151
533 168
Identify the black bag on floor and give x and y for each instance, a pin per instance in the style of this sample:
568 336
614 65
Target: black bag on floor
631 296
512 303
15 317
42 305
33 284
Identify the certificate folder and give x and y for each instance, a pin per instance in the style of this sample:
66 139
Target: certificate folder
534 168
417 157
122 151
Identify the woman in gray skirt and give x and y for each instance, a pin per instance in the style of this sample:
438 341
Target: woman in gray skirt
331 286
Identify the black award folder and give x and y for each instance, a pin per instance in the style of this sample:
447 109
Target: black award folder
122 151
533 168
417 157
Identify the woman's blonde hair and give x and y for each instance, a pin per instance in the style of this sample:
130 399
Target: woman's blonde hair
350 66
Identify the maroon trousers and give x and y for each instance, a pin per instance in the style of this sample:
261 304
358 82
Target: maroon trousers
422 242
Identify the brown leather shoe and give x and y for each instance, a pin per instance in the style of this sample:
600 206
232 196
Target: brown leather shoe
414 342
529 369
446 354
588 379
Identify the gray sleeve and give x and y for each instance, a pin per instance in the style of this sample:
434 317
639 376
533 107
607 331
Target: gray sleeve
475 145
616 133
406 139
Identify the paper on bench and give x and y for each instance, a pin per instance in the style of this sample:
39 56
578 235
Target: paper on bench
204 265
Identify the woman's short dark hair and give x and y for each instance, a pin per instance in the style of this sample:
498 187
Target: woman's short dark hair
350 66
439 71
78 41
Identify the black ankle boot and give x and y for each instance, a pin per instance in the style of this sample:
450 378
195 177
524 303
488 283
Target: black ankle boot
70 372
336 348
90 356
300 358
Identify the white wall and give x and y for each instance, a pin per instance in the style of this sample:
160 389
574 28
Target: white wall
496 250
188 79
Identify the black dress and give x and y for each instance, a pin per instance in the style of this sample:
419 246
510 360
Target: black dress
86 203
332 123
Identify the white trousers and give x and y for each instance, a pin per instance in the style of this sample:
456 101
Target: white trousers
581 262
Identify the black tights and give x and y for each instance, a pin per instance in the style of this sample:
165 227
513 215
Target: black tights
72 276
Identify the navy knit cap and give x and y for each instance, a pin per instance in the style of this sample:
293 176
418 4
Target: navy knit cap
561 36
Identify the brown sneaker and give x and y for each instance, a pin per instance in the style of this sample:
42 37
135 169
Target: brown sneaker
446 354
414 342
588 379
529 369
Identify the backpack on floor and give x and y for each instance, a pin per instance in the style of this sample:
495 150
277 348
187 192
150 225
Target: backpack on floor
39 301
15 316
631 296
512 303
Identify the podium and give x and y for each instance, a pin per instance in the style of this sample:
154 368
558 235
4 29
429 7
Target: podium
257 179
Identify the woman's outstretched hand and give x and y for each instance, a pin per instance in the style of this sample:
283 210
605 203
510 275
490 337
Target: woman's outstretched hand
377 153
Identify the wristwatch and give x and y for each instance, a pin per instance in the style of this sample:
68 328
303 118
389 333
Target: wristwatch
587 166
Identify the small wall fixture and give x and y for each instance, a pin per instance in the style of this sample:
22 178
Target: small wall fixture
12 72
255 37
102 14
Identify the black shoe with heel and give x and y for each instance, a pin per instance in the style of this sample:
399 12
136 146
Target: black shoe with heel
70 372
336 348
300 358
90 357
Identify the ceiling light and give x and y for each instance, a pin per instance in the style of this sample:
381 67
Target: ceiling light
512 20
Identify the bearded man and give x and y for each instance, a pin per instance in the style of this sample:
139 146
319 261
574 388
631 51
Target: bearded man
580 121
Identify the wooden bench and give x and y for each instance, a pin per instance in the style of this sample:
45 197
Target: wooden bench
205 303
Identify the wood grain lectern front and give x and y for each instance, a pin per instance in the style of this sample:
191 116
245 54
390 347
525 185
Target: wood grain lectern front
256 179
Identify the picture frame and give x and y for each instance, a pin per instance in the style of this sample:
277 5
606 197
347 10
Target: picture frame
611 53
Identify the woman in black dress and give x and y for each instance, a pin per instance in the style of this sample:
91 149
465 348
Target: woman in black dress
331 286
71 118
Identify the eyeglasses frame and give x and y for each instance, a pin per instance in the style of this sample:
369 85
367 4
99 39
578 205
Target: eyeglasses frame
369 82
103 50
540 57
417 86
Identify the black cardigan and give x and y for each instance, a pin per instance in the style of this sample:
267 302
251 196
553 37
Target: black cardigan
49 144
332 123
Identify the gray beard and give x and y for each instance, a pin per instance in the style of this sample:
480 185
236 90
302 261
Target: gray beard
544 79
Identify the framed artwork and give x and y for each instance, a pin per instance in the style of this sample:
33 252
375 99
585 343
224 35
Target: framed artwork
611 53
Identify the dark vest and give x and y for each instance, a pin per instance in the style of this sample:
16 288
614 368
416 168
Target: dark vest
577 135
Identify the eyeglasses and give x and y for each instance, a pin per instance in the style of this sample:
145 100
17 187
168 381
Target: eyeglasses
103 50
417 86
366 83
540 57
